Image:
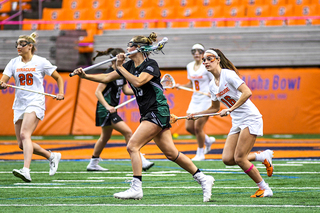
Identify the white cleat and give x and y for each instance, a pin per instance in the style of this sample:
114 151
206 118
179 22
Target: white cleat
206 182
147 165
23 174
54 162
198 158
208 145
134 192
93 165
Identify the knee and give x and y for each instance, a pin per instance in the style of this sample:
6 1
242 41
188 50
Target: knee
172 157
190 130
197 130
228 161
131 148
239 160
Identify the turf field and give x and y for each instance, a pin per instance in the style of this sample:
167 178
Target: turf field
167 188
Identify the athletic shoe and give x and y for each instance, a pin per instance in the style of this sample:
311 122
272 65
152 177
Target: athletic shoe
206 182
263 193
147 165
93 165
21 173
268 154
134 192
208 145
198 158
54 162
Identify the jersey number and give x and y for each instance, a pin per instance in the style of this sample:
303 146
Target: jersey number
197 85
26 79
227 100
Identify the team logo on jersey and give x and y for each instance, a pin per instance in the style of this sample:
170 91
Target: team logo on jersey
119 82
150 68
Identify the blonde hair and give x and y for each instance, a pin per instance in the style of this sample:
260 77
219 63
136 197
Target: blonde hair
31 39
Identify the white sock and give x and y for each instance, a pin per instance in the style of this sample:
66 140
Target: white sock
26 169
200 151
51 156
263 185
207 138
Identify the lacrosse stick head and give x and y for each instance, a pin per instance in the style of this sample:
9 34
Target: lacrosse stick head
173 118
168 82
154 48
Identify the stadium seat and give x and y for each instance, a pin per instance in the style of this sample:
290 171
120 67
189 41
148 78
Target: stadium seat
119 4
52 14
166 15
235 12
298 2
143 14
165 3
254 2
98 15
186 3
119 17
230 2
255 11
30 26
97 4
5 7
74 4
210 12
279 11
275 2
306 10
139 4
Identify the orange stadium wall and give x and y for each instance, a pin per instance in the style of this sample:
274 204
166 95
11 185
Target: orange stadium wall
286 97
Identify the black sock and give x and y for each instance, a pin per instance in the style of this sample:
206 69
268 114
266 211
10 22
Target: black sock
95 156
198 170
138 177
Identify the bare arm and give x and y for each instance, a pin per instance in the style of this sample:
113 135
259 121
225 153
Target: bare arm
3 82
101 78
246 94
56 76
188 85
126 90
101 99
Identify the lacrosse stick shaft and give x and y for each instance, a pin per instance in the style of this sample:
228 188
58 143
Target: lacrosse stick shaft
104 62
199 116
124 103
192 90
29 90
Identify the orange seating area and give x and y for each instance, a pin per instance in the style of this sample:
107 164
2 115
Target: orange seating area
131 14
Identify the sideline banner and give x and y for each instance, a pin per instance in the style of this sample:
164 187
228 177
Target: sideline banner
58 115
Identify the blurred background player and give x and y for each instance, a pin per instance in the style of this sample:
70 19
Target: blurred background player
199 80
228 88
106 115
29 70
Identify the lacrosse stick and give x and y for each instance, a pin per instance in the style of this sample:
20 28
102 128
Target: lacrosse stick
124 103
145 49
174 118
29 90
168 82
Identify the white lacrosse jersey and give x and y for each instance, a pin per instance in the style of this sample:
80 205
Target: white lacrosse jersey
228 94
29 75
200 81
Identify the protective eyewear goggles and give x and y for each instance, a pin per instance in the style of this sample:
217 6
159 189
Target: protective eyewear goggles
193 51
209 59
132 44
22 43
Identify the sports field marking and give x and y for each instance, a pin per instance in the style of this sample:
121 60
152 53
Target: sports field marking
165 205
24 185
78 180
304 162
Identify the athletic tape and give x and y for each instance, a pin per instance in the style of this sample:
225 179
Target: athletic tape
249 169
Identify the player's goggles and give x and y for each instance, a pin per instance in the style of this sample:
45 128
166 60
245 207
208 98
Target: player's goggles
133 44
209 59
22 43
193 51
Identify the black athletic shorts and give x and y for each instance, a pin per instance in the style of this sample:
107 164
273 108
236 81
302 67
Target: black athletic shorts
153 117
106 120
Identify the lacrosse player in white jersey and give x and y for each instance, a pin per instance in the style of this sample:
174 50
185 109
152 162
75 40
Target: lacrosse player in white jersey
199 80
227 87
29 70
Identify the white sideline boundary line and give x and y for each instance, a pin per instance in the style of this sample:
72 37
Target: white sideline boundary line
24 185
159 205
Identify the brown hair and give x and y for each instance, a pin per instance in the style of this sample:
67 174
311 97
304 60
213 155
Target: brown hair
110 51
32 39
224 62
145 40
